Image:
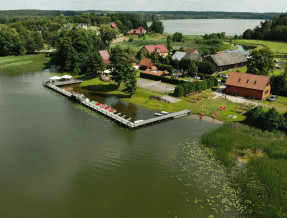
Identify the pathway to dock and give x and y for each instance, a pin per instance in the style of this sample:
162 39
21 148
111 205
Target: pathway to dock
116 117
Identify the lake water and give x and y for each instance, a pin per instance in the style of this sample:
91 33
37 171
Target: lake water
203 26
59 159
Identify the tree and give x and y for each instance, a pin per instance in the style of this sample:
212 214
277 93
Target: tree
206 67
273 120
189 66
108 34
169 39
9 42
157 27
122 70
179 91
256 116
279 82
177 37
261 62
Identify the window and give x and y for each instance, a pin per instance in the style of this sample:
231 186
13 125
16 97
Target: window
247 81
255 82
239 80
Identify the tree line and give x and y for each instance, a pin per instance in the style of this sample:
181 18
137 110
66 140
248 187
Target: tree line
269 30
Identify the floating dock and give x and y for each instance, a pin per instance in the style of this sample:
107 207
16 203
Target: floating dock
112 115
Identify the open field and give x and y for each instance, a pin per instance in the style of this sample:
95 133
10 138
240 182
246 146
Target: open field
23 64
138 43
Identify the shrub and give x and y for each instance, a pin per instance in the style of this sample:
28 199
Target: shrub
179 91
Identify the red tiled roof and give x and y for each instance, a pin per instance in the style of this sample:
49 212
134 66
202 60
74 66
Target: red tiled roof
114 25
146 62
157 48
250 81
105 55
156 72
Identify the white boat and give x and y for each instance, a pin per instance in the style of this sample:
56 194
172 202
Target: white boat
158 114
164 112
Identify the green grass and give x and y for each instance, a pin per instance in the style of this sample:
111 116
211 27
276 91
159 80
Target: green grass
138 43
23 64
109 88
142 98
263 180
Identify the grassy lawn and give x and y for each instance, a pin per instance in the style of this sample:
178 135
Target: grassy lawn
280 104
23 64
138 43
109 88
208 105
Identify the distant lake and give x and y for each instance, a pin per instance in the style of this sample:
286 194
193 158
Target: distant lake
202 26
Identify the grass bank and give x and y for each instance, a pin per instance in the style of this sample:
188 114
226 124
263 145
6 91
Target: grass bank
278 48
263 180
23 64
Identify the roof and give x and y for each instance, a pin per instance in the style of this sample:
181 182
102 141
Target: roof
157 48
114 25
146 62
224 59
191 50
156 72
105 55
193 56
178 55
250 81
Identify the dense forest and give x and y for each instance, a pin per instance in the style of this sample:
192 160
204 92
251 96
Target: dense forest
269 30
162 15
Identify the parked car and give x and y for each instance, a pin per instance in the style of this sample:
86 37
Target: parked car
273 98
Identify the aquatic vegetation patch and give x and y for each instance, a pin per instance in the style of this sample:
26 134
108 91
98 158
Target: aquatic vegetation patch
198 169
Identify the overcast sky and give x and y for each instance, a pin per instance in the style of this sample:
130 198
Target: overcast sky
149 5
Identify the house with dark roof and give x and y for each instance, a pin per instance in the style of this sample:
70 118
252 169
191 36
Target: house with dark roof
179 55
106 56
227 61
250 85
146 63
160 49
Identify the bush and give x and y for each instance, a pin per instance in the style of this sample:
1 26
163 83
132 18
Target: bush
131 39
166 67
179 91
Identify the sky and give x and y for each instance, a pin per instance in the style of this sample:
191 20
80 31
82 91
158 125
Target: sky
149 5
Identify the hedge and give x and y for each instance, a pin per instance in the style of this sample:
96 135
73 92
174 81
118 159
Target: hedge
163 79
194 86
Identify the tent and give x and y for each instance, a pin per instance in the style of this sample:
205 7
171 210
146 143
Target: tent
107 71
66 77
55 78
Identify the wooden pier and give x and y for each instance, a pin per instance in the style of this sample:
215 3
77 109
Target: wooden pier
121 119
68 82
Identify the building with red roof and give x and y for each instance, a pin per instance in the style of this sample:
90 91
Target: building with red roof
137 32
113 25
106 56
160 49
250 85
146 63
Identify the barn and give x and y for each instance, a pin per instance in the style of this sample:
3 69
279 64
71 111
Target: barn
250 85
227 61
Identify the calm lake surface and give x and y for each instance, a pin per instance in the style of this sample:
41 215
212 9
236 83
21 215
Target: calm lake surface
203 26
58 159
